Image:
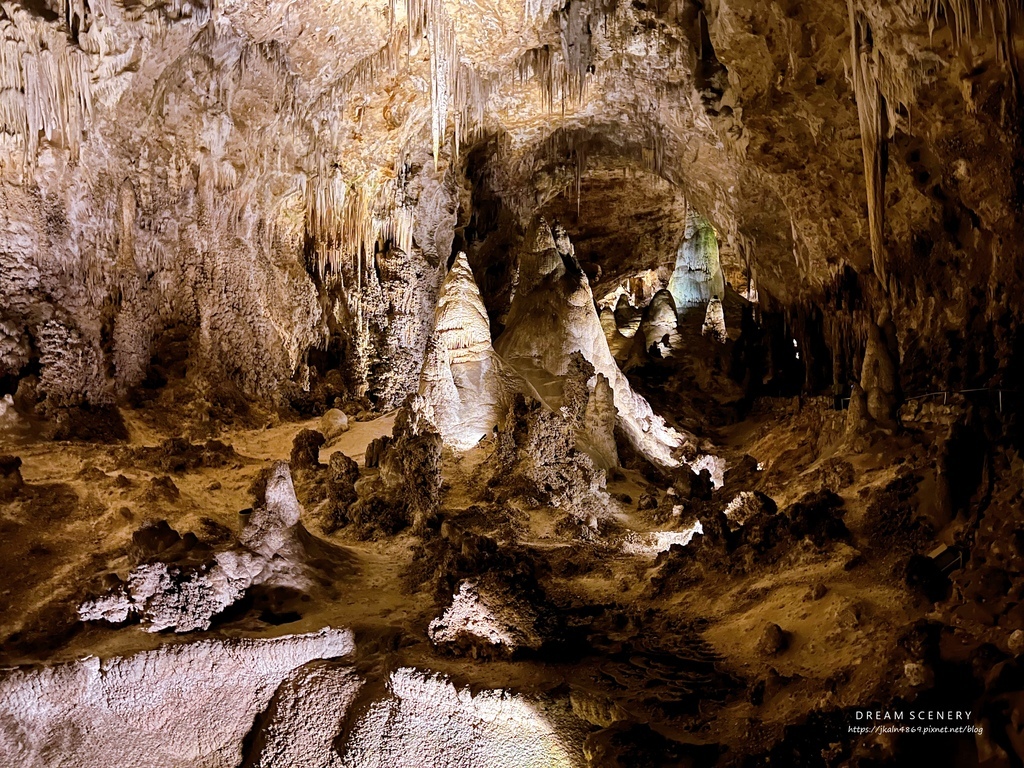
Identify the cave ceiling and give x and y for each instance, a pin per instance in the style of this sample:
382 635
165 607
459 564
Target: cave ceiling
747 107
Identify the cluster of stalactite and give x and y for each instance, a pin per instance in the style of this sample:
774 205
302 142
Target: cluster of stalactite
45 85
883 88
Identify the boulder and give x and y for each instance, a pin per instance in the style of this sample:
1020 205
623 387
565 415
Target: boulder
333 424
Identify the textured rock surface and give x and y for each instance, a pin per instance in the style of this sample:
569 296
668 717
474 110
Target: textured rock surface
463 378
233 217
697 277
491 728
188 704
408 488
486 616
205 177
553 315
186 596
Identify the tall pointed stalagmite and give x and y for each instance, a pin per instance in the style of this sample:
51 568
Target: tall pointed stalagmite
462 377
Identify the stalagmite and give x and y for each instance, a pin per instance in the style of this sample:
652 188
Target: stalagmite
879 378
599 424
618 343
658 334
554 316
409 316
463 378
714 321
698 272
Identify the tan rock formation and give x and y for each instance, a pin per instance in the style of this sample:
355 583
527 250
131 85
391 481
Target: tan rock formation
553 316
463 378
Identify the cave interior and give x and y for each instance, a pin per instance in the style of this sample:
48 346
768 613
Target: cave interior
486 383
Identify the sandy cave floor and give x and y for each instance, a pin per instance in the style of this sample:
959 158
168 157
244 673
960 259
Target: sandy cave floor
83 503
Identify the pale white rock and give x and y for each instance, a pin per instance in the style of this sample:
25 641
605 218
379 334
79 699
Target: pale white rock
166 596
698 272
307 715
333 424
188 704
652 543
487 616
463 378
478 729
715 465
9 417
555 317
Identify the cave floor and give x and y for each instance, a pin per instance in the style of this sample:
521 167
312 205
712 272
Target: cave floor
844 607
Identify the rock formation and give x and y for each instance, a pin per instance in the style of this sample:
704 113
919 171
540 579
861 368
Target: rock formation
463 379
697 277
649 375
552 316
186 594
184 704
714 321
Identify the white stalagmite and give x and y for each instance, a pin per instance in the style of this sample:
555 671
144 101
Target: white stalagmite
698 272
463 378
599 425
658 333
553 315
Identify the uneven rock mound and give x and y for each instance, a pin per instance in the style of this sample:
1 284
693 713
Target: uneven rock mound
399 731
407 490
183 586
486 618
536 460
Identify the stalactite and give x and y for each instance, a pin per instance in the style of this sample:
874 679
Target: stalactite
577 50
971 19
539 64
346 221
534 9
45 88
365 76
884 89
873 118
559 82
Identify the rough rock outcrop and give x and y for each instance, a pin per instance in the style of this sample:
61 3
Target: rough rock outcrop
10 477
486 619
552 316
407 491
536 461
186 595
